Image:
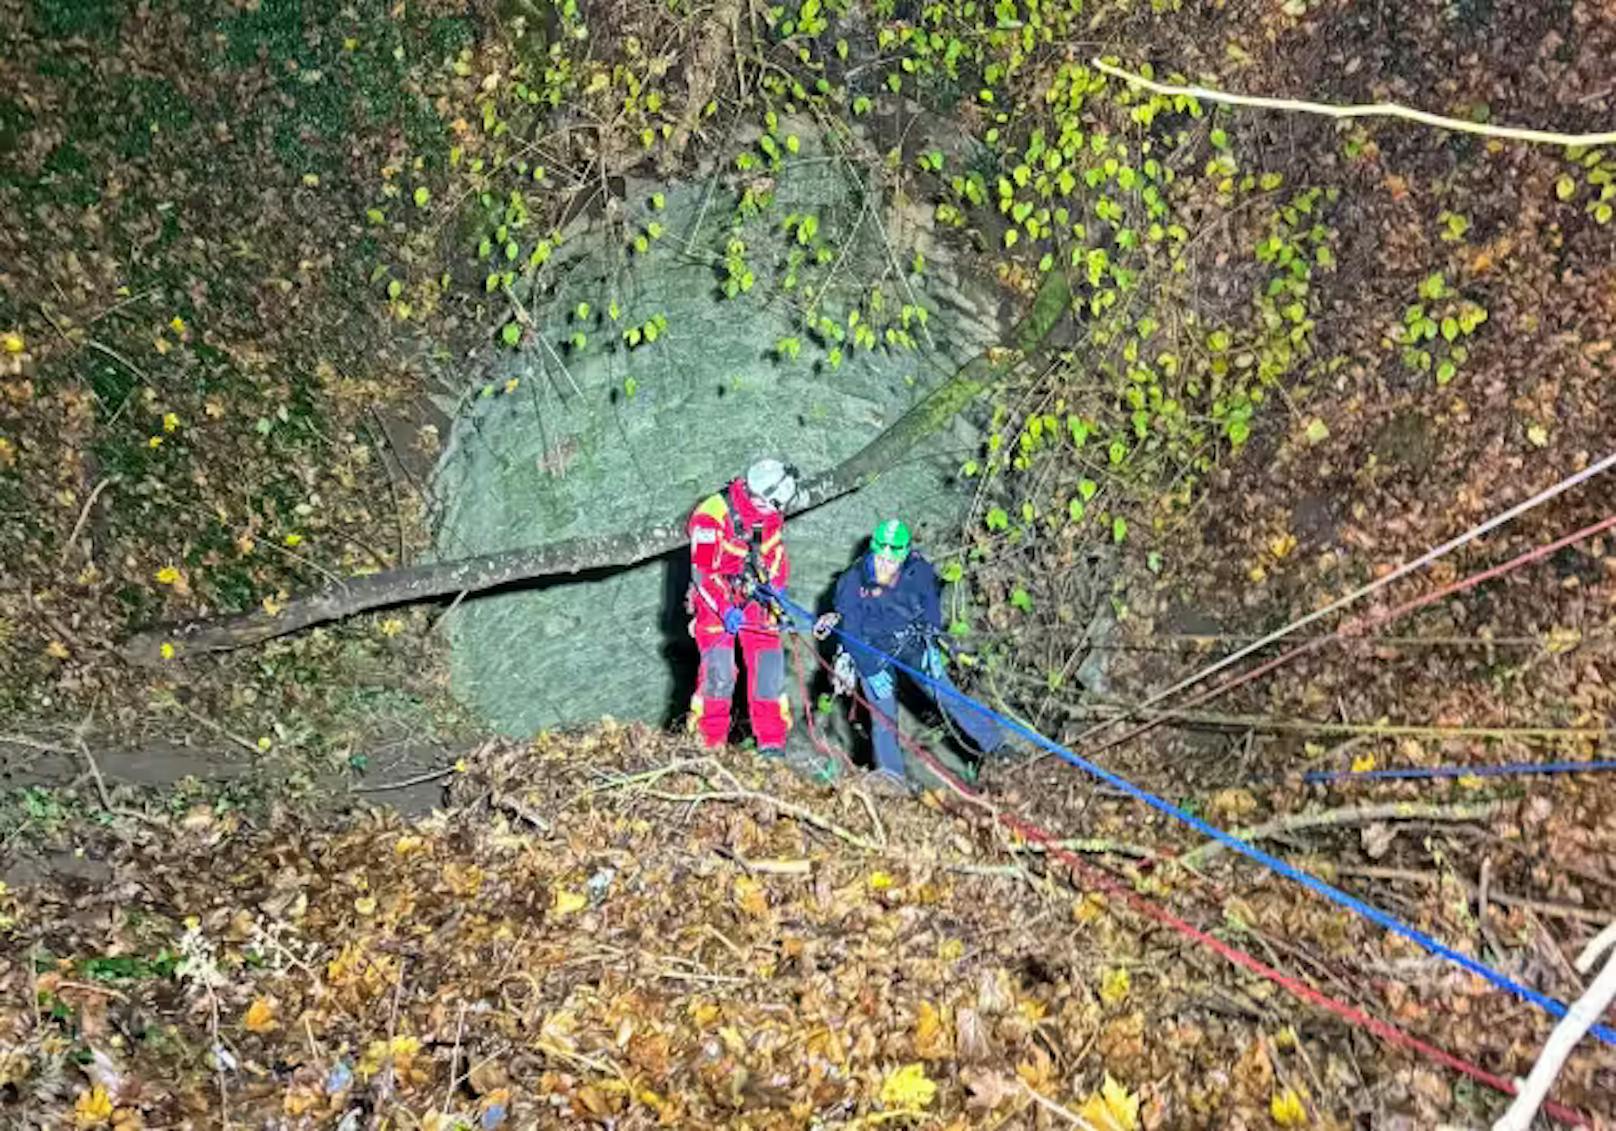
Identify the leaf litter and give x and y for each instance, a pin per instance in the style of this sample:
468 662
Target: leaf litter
610 929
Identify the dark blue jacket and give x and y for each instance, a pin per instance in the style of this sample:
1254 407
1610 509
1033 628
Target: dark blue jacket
887 617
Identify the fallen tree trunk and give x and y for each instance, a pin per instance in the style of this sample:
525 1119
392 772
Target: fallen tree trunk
604 551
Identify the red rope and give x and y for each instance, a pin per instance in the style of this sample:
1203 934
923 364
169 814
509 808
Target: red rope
1098 878
1347 629
825 749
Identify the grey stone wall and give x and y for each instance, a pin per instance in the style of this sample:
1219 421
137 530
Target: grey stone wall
569 450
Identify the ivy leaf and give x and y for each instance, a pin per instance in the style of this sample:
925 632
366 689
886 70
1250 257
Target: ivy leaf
511 334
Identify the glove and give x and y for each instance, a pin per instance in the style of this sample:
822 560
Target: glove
824 624
881 684
843 677
733 619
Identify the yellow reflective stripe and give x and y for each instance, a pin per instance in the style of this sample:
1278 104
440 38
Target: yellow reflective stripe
771 543
713 506
735 547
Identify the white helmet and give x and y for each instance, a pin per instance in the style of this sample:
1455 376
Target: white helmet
773 482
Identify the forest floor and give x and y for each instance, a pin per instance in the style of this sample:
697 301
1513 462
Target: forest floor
235 263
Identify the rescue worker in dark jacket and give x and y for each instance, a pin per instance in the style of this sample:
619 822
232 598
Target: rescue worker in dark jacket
891 599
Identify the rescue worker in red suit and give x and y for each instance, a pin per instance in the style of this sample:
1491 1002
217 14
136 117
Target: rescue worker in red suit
731 533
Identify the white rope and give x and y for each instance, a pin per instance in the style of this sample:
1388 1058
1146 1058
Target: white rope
1356 595
1361 110
1584 1013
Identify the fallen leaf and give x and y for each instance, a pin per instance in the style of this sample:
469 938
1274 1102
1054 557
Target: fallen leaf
260 1016
1287 1109
1112 1108
908 1088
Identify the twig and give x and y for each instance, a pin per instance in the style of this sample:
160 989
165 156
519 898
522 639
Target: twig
1360 110
1583 1015
384 1084
1054 1108
807 816
454 1059
84 515
250 747
1503 899
418 779
1351 815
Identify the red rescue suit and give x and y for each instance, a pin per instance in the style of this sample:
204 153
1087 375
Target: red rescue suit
727 530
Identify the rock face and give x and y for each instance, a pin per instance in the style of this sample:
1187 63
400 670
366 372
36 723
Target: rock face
596 435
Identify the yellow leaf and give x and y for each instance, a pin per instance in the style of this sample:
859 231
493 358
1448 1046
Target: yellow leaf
365 905
750 897
264 743
1363 763
293 539
392 626
171 421
950 950
908 1088
1287 1109
177 323
931 1036
92 1108
155 442
260 1016
168 575
57 649
272 606
1114 986
1112 1108
880 881
566 902
13 343
1282 544
167 650
408 844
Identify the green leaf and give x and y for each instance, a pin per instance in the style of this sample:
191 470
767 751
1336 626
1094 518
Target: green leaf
582 311
1239 432
1446 372
1021 599
1317 431
630 387
1074 510
1087 488
374 215
658 201
997 519
579 340
423 196
1219 139
1119 529
1566 187
1450 328
512 251
951 572
512 333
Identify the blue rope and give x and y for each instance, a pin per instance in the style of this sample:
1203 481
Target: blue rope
1552 1006
1414 773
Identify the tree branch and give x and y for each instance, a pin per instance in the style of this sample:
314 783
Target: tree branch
1358 814
599 551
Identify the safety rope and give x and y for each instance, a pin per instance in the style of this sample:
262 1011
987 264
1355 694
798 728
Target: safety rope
1349 630
1358 594
1550 1005
1098 878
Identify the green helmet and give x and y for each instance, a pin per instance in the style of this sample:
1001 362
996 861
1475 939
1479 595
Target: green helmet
890 537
